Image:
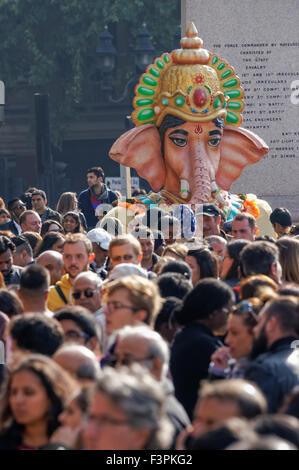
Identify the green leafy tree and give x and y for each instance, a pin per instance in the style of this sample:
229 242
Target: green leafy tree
49 45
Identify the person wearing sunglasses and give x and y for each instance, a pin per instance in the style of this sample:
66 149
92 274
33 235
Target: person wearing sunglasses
15 207
231 361
87 294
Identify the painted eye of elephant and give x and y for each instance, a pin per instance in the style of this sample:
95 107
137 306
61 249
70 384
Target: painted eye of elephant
179 141
214 142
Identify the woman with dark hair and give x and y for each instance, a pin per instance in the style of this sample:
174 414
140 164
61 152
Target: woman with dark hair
202 316
52 241
50 226
71 223
33 397
75 409
203 263
72 419
232 360
231 262
68 202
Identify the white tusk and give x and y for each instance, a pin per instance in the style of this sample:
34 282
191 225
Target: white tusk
185 190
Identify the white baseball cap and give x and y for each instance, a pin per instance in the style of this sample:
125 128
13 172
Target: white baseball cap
100 237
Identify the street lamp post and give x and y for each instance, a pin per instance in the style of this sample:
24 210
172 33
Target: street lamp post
144 50
106 54
144 53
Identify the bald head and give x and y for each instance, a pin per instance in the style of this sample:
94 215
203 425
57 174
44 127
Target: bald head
88 285
53 262
145 346
79 361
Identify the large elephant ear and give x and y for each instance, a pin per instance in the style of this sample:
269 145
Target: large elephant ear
140 148
239 148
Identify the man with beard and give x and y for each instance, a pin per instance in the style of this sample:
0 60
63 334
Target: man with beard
96 194
77 255
275 359
11 273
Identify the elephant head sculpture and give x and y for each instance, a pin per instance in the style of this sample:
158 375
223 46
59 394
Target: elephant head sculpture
187 141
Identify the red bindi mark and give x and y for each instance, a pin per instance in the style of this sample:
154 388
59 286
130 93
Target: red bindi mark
198 129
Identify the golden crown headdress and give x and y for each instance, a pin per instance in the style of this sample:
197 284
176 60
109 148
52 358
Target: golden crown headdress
191 83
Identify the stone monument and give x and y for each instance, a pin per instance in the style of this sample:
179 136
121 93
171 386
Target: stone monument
260 39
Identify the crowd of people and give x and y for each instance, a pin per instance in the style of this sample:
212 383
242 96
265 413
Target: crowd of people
127 326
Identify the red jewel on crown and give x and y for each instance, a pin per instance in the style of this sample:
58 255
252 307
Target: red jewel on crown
200 97
198 79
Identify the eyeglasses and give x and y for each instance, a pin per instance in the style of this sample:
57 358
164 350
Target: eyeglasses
56 230
106 419
110 307
74 335
88 293
128 360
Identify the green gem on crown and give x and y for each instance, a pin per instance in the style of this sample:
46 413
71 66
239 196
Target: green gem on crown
155 72
232 117
149 81
160 64
164 101
146 114
145 91
179 101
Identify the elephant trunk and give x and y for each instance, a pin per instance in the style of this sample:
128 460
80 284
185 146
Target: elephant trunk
200 181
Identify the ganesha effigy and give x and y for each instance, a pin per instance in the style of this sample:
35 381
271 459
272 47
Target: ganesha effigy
187 141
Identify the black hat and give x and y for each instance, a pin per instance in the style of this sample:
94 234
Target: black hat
281 216
208 209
